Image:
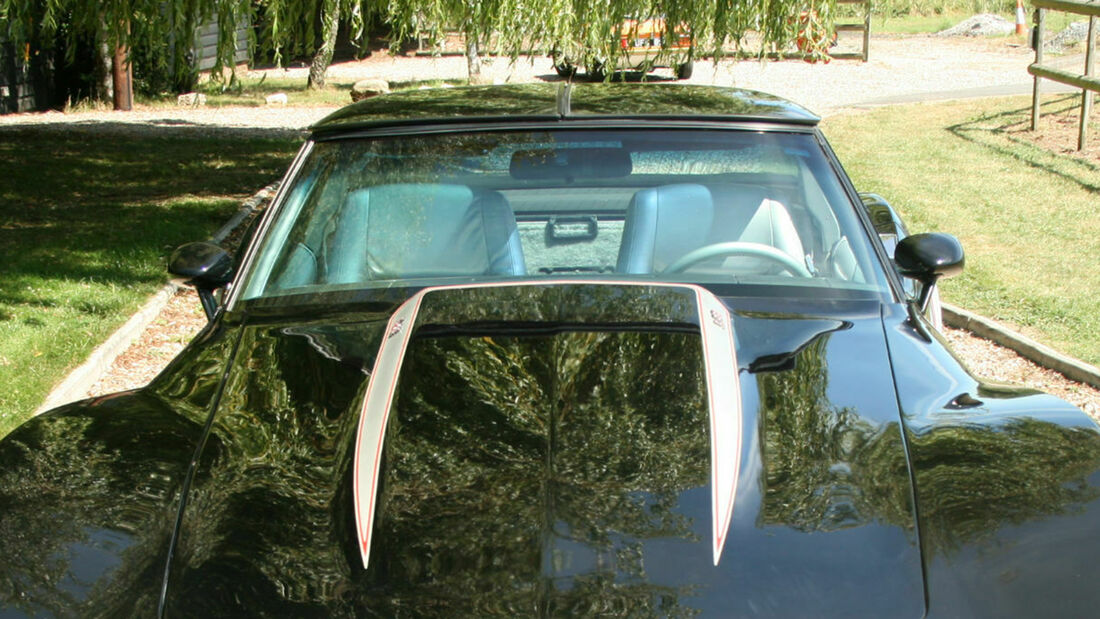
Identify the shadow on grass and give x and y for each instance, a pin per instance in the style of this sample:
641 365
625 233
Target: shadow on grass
997 133
136 130
88 215
106 203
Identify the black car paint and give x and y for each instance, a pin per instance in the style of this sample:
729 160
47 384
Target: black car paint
1009 523
916 469
825 524
89 492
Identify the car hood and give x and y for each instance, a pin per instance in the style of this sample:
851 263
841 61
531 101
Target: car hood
551 449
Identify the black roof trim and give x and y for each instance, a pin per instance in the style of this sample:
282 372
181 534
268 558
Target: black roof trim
465 125
543 102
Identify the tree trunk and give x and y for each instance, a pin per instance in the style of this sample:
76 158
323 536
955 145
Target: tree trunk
473 60
323 58
104 83
122 76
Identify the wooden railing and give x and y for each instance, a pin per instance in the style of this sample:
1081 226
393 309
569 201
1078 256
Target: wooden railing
864 27
1086 81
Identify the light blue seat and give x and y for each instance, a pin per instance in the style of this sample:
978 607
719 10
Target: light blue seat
403 231
662 224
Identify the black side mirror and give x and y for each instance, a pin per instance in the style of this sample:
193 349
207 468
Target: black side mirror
205 266
927 258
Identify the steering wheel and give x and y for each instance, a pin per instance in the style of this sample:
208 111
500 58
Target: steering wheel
738 248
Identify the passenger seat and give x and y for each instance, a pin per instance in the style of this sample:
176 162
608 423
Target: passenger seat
407 230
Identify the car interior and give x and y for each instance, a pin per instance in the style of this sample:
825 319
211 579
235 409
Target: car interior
566 211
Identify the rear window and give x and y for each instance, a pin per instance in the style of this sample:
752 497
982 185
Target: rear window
709 207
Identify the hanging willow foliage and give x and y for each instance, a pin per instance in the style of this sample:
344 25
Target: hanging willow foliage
581 29
293 27
39 23
588 30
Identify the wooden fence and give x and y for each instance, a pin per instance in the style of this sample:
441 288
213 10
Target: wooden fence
1086 81
864 27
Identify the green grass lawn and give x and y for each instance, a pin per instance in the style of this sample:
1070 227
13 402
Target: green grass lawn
935 22
915 24
1027 217
86 223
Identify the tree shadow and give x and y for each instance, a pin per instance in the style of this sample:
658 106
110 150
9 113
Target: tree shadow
138 129
105 203
995 132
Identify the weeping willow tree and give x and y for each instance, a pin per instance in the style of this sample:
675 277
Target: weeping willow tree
588 29
293 26
583 29
110 26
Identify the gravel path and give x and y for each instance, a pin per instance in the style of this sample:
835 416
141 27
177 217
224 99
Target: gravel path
992 362
925 67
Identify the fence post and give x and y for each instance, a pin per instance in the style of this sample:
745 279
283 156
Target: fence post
864 27
1086 95
1037 39
867 32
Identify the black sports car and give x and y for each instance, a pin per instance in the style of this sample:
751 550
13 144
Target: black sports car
602 349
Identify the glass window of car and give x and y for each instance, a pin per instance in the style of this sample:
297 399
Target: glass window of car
724 207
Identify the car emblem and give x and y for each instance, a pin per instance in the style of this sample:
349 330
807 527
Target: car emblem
395 328
716 318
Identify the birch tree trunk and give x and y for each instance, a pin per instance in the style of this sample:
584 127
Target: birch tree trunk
473 60
104 83
323 58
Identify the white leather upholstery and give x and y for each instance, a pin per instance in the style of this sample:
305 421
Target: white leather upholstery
666 222
771 224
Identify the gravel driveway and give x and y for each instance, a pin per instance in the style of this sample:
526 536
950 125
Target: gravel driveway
909 67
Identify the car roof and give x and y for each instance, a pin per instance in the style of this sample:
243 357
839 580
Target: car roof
548 101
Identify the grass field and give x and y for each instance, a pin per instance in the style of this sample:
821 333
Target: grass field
86 223
928 24
1026 215
927 18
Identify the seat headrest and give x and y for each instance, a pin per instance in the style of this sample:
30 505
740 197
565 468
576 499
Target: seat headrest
662 224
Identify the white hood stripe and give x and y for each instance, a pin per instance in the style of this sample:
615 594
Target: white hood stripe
723 390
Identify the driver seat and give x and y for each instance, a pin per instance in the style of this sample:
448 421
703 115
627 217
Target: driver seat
666 222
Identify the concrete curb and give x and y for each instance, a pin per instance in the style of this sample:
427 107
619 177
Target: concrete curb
79 381
76 385
1028 348
247 208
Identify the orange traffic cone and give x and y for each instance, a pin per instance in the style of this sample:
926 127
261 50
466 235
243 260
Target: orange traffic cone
1019 16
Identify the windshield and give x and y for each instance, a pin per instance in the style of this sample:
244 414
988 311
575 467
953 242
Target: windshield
723 207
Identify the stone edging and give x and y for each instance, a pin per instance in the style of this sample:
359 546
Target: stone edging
1028 348
80 380
75 386
247 208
